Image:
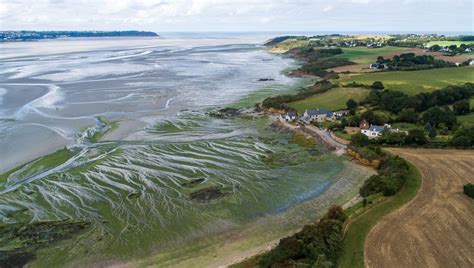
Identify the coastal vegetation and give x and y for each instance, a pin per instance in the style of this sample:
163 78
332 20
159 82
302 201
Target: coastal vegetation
37 165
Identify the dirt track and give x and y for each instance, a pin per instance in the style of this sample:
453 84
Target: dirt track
436 228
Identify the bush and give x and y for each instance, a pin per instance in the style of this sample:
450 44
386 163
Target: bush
360 139
463 137
378 85
416 136
461 107
316 244
469 190
391 176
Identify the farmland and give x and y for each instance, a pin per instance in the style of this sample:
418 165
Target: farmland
363 55
413 82
437 222
333 99
449 43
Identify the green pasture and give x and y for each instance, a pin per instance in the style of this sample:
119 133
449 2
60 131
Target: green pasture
366 55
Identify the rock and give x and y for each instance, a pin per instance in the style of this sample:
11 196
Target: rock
207 195
265 79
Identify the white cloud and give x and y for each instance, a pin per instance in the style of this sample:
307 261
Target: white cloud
328 8
234 15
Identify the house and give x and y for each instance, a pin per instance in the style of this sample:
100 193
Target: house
290 116
471 62
373 131
378 66
352 130
364 124
320 115
304 119
467 50
341 113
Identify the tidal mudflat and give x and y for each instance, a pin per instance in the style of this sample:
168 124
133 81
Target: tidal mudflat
148 174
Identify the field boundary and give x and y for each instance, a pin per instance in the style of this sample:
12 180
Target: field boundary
357 229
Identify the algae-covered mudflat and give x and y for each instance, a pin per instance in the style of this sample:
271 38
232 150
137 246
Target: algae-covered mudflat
177 181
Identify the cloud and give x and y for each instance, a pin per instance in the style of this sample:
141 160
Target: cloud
235 15
328 8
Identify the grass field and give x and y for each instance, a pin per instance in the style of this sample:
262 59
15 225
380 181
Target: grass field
466 119
448 43
358 228
434 229
367 55
413 82
333 99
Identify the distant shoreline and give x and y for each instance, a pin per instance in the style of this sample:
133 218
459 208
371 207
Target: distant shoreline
31 36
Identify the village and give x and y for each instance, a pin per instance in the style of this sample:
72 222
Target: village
315 118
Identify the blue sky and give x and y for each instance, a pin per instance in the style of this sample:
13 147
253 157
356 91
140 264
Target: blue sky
238 15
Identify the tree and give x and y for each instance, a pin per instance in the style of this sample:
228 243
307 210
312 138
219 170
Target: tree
359 139
461 141
461 107
378 85
436 116
469 190
435 48
416 136
408 115
432 133
373 118
427 126
351 104
336 213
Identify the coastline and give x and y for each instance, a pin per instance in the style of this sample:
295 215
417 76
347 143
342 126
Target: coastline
234 246
255 235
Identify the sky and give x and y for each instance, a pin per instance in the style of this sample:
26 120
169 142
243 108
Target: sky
239 15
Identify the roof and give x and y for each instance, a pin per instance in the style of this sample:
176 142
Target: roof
376 128
304 118
318 112
291 114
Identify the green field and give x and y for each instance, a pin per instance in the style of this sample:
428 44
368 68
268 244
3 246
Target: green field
466 119
333 99
366 55
448 43
413 82
357 231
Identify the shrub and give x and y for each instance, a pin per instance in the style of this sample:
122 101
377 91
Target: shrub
378 85
469 190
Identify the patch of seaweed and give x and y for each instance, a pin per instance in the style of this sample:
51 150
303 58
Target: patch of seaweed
19 241
208 194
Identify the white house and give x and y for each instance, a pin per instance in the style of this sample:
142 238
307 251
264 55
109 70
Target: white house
373 131
341 113
290 116
471 62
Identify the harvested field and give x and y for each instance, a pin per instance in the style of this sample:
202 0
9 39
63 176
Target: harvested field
436 228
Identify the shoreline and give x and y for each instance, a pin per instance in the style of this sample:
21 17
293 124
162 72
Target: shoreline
343 190
234 246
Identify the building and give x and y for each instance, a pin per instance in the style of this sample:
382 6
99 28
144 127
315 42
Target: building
364 124
378 66
290 116
320 115
373 131
471 62
341 113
